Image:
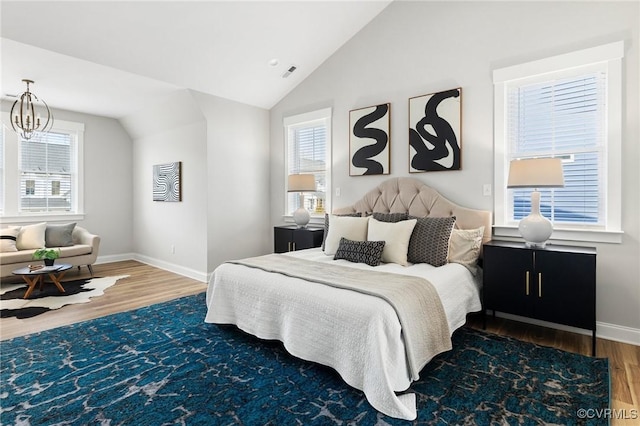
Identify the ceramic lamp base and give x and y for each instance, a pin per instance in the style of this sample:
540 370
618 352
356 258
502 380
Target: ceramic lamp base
301 217
535 228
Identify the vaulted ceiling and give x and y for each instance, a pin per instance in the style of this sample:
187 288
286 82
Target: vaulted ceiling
111 58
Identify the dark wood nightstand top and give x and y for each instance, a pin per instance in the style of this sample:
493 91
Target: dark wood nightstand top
549 247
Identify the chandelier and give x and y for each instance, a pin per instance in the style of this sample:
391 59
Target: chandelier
30 114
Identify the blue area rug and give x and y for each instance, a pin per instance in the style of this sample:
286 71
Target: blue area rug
163 365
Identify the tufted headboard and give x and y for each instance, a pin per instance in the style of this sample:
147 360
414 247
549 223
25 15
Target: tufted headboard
400 195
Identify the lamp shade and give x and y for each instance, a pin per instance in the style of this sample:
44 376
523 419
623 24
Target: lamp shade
301 183
536 173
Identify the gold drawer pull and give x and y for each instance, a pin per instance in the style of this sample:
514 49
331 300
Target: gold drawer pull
527 281
540 284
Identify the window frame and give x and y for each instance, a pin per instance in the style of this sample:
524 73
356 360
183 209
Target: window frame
609 57
11 204
324 115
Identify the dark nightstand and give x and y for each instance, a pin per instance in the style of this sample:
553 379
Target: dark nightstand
556 283
291 238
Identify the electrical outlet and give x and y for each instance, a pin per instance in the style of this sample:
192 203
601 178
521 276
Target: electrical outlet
486 190
337 192
173 249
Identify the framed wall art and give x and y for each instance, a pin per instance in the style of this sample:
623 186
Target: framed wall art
434 131
369 130
167 182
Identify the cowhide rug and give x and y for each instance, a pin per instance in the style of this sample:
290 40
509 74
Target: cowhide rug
49 298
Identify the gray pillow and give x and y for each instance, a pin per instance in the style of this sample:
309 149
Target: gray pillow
429 242
390 217
59 235
369 252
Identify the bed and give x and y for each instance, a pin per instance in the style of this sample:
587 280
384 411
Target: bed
376 343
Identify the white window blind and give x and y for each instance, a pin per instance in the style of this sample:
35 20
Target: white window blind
563 118
308 145
46 173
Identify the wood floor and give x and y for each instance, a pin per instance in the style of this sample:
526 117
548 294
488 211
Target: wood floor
147 285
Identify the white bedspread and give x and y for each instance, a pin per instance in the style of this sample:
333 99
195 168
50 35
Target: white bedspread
356 334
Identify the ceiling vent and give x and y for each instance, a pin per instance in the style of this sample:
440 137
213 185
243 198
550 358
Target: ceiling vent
288 72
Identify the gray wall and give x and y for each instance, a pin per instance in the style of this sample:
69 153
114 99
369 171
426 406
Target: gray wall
415 48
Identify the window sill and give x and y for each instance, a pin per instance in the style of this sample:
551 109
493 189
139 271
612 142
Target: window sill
566 235
315 220
47 217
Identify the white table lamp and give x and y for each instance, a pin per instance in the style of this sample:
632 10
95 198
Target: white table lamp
301 183
535 173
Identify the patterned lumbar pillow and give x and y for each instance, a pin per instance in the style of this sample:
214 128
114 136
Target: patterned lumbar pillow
59 235
430 240
8 238
369 252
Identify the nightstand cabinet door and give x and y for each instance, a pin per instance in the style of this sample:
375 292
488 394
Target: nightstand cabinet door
291 238
509 273
565 288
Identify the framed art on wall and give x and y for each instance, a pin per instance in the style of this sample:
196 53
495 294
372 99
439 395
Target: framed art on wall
369 130
434 131
167 182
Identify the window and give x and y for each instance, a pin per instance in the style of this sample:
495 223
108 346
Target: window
30 187
45 161
45 179
566 107
308 144
55 187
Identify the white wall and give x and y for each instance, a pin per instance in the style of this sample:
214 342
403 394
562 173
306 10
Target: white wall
224 213
415 48
107 184
238 179
171 235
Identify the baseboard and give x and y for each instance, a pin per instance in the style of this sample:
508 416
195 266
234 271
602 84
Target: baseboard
167 266
604 330
172 267
114 258
619 333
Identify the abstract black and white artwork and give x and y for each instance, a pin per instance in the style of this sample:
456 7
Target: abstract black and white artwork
434 131
167 182
369 140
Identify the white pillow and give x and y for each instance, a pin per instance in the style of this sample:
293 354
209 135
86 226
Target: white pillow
31 236
351 228
396 236
8 239
464 247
